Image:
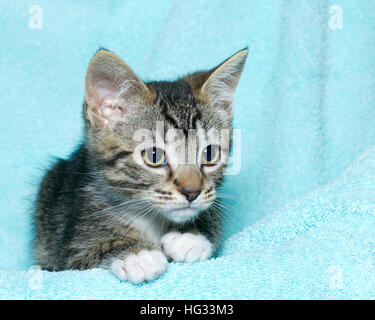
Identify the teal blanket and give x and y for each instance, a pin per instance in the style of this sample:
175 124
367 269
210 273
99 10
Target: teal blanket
301 225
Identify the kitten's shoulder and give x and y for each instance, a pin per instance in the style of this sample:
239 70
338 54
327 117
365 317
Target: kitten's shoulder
61 173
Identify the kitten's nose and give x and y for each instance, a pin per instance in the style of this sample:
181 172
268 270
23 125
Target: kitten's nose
190 195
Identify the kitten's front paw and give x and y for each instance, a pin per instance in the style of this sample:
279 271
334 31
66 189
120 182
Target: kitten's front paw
186 247
144 266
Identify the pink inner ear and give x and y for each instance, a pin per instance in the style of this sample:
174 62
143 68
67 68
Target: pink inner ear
108 114
107 107
121 109
106 89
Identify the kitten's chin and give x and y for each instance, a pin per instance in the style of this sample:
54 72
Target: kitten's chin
182 215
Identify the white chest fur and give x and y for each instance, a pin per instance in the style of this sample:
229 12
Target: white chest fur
152 227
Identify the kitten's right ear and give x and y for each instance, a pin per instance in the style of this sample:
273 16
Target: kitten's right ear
112 90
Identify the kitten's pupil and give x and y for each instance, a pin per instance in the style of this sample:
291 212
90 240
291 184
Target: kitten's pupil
153 155
211 155
208 152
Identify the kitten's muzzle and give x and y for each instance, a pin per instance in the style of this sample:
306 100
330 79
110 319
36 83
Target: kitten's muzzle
188 180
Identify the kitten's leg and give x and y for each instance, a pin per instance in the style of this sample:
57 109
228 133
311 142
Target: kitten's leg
143 266
194 241
138 264
187 246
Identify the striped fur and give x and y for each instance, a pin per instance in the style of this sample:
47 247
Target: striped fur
104 203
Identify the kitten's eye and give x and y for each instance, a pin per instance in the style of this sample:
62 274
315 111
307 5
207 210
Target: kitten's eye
154 157
211 155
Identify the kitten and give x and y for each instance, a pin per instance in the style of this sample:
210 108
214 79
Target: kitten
127 205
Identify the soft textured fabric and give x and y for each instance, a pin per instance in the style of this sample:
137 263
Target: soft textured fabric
304 105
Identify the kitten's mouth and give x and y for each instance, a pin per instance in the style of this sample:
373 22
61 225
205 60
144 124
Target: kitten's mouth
182 214
182 208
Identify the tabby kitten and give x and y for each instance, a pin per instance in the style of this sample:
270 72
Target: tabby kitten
127 198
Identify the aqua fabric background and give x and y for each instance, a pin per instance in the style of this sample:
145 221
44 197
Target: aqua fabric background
305 103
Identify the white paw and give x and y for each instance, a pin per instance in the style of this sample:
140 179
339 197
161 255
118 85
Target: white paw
186 247
137 268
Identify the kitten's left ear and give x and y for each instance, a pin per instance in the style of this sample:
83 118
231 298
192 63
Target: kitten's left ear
217 86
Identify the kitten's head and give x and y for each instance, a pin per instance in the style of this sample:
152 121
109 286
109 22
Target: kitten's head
164 143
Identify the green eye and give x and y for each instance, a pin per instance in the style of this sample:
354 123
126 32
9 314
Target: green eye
154 157
211 155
